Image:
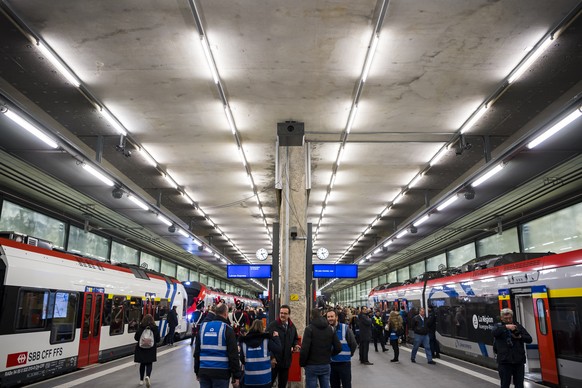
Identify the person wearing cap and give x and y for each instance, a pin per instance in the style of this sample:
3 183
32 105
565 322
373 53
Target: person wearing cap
172 320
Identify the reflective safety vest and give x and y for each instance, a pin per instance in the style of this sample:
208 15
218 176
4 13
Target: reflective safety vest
213 352
346 354
257 364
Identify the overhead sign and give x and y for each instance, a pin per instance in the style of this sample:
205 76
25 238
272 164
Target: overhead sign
347 271
248 271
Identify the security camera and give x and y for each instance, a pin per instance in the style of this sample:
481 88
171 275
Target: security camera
413 229
469 194
171 228
293 232
117 193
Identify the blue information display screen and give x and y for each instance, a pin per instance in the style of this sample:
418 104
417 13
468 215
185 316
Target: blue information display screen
247 271
335 271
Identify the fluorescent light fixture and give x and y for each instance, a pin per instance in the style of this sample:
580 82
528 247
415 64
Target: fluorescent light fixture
169 179
59 65
447 203
164 220
351 118
376 220
385 211
217 255
31 128
138 202
370 57
188 198
488 175
98 175
368 257
402 234
416 179
362 261
332 181
183 233
422 220
439 155
387 243
529 61
398 197
476 116
555 128
377 250
341 154
109 117
207 249
242 156
196 242
149 159
209 59
230 119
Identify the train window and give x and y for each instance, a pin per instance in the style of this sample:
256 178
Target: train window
184 308
161 309
32 309
117 322
64 314
542 316
97 317
567 327
133 314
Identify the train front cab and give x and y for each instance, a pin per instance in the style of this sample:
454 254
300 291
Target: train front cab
530 306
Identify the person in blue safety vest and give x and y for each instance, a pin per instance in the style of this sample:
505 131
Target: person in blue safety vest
257 348
216 357
341 365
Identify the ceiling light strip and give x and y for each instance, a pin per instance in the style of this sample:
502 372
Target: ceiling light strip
32 129
206 47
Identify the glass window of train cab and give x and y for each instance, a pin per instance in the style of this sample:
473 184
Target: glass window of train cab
117 315
133 313
31 310
64 313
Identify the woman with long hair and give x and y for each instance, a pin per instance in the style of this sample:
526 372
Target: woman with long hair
395 330
147 337
256 350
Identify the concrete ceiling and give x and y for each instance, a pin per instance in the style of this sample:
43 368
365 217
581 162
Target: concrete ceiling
435 64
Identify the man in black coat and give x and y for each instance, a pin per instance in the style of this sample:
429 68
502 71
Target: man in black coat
420 327
289 343
319 343
509 344
365 324
172 320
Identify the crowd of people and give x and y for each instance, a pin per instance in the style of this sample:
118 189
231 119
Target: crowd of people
236 346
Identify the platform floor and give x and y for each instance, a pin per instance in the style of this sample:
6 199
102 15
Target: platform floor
174 369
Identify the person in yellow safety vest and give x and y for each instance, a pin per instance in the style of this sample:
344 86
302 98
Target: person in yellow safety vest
378 331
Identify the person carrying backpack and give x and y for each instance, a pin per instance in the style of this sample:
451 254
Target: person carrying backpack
147 337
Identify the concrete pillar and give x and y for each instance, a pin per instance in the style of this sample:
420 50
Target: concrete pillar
292 233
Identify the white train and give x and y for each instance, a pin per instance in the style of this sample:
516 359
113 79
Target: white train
60 312
545 293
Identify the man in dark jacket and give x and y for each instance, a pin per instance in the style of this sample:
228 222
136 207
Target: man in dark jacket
172 320
319 343
509 344
216 357
365 324
289 343
420 327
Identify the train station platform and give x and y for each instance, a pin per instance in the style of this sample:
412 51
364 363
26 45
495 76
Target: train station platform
174 369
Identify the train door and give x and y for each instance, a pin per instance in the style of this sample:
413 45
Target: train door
531 310
90 329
